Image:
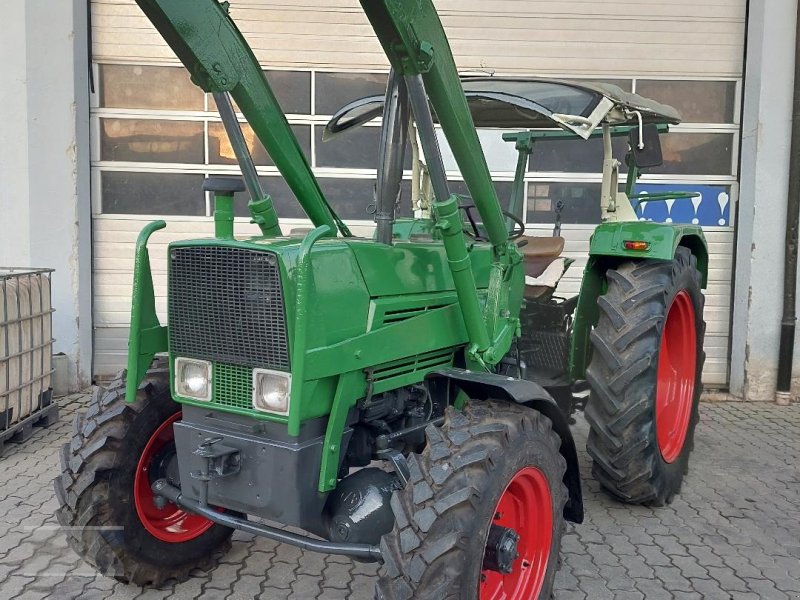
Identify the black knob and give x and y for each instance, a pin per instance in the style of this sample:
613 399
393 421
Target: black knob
225 185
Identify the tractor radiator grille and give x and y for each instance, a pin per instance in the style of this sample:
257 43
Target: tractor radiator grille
233 386
226 305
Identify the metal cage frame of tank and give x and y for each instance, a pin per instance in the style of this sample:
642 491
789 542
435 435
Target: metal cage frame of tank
26 349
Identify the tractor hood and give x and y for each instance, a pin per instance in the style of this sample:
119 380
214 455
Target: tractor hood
511 103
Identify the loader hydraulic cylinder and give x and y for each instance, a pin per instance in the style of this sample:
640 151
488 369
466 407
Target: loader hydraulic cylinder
393 144
448 220
427 133
261 207
208 43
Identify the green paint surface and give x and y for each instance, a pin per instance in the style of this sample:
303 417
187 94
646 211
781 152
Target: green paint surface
608 240
357 313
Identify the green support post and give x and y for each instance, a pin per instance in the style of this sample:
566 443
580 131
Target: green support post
223 216
516 204
343 400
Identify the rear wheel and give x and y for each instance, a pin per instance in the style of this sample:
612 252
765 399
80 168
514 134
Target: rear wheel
645 378
482 515
106 505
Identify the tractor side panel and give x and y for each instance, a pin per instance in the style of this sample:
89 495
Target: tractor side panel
407 268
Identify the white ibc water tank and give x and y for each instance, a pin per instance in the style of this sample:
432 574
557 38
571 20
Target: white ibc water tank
26 345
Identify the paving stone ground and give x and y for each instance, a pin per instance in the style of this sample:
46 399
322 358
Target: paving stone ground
734 532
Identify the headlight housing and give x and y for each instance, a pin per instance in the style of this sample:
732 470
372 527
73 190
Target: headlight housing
193 378
271 391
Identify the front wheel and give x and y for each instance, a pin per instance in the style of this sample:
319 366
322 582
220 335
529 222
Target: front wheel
107 508
645 378
481 517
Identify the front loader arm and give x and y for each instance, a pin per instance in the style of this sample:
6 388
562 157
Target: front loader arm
208 43
414 40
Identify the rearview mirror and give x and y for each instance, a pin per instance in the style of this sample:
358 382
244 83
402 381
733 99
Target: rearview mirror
650 154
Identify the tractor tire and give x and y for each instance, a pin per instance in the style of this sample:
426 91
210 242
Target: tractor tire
645 378
473 476
106 506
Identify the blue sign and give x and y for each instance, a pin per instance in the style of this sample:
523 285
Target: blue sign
711 208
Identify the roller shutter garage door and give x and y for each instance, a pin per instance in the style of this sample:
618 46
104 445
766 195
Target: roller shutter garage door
155 136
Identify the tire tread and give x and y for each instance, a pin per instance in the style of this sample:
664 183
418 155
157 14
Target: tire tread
622 376
466 449
82 488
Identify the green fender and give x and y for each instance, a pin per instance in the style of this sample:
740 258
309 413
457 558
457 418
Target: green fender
147 336
607 251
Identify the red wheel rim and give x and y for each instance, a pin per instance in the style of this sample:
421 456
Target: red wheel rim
168 524
677 366
526 506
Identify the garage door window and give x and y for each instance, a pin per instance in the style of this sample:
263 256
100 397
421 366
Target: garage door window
157 137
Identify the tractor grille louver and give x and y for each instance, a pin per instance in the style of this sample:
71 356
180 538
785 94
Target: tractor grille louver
421 362
226 305
395 316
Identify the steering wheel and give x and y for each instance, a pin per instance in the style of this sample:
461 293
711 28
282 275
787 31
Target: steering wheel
474 232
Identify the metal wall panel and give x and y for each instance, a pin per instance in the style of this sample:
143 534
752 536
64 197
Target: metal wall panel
630 37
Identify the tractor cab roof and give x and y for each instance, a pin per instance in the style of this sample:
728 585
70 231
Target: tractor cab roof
532 103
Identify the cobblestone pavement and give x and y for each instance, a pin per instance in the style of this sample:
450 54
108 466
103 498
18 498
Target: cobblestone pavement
734 532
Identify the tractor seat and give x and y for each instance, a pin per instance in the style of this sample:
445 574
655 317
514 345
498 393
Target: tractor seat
540 252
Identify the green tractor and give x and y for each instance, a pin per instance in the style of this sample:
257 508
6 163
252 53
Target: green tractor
404 399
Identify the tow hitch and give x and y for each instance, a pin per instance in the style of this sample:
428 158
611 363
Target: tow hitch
221 461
